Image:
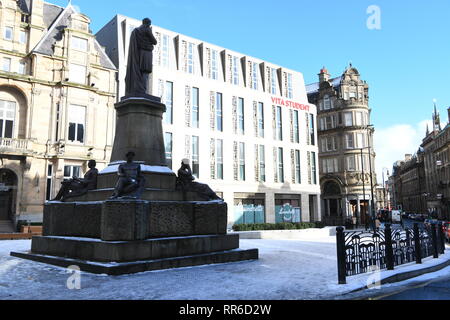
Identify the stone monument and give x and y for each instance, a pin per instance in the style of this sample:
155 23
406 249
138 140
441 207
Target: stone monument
140 216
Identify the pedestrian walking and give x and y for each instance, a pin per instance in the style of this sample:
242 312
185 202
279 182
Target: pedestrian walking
377 224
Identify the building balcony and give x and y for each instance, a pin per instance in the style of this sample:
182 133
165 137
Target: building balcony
10 146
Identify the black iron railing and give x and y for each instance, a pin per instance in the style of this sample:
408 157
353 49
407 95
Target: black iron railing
362 251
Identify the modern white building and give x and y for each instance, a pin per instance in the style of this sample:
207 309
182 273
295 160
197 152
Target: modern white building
245 124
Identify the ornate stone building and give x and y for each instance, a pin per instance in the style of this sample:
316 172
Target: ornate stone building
57 95
346 156
410 184
421 183
436 149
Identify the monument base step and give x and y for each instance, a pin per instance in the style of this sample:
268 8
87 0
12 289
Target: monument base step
234 255
126 251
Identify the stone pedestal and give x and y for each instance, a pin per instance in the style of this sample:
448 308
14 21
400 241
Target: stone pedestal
139 129
167 228
124 220
129 220
126 236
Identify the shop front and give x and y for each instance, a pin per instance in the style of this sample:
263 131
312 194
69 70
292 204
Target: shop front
249 208
288 208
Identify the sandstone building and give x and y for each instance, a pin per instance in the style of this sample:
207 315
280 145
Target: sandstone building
57 95
409 183
421 184
345 138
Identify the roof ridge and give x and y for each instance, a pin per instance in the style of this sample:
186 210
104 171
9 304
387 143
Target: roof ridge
331 80
52 27
52 4
104 53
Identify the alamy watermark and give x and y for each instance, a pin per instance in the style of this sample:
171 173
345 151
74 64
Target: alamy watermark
374 279
74 280
374 19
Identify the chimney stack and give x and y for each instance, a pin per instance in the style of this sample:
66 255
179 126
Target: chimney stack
448 113
323 75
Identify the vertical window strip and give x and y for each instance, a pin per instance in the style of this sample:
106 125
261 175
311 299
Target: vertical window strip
240 116
279 124
190 58
195 112
296 127
280 163
168 99
219 112
235 70
275 167
168 145
235 161
219 159
195 157
212 158
212 110
273 81
241 161
289 86
260 119
234 112
214 64
165 47
311 127
255 118
262 163
298 178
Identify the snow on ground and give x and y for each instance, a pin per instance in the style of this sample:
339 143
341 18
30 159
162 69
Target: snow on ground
286 269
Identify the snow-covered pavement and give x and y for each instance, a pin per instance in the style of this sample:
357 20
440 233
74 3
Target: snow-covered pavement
287 269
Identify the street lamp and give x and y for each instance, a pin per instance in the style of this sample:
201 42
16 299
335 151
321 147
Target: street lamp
384 186
369 128
371 185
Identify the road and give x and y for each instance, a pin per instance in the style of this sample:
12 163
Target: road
437 289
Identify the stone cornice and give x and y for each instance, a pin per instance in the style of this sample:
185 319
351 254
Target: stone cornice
30 79
13 53
80 32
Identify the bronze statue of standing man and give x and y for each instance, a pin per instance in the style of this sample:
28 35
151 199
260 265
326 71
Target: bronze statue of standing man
140 60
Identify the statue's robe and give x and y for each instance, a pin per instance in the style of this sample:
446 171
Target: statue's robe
140 61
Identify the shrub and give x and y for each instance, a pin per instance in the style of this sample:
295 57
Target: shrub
274 226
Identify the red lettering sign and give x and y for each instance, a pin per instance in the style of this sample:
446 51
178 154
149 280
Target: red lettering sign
291 104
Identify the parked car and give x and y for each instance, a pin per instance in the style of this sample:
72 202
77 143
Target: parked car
412 216
446 229
420 217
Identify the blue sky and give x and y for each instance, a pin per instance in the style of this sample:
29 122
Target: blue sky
406 63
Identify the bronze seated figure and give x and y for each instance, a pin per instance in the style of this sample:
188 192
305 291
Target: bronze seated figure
130 184
78 186
185 182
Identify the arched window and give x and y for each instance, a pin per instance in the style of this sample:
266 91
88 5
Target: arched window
13 113
331 188
7 118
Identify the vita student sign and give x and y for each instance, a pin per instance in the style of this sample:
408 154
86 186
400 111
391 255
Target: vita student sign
290 104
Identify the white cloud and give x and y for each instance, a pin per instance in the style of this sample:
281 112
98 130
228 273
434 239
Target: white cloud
392 143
